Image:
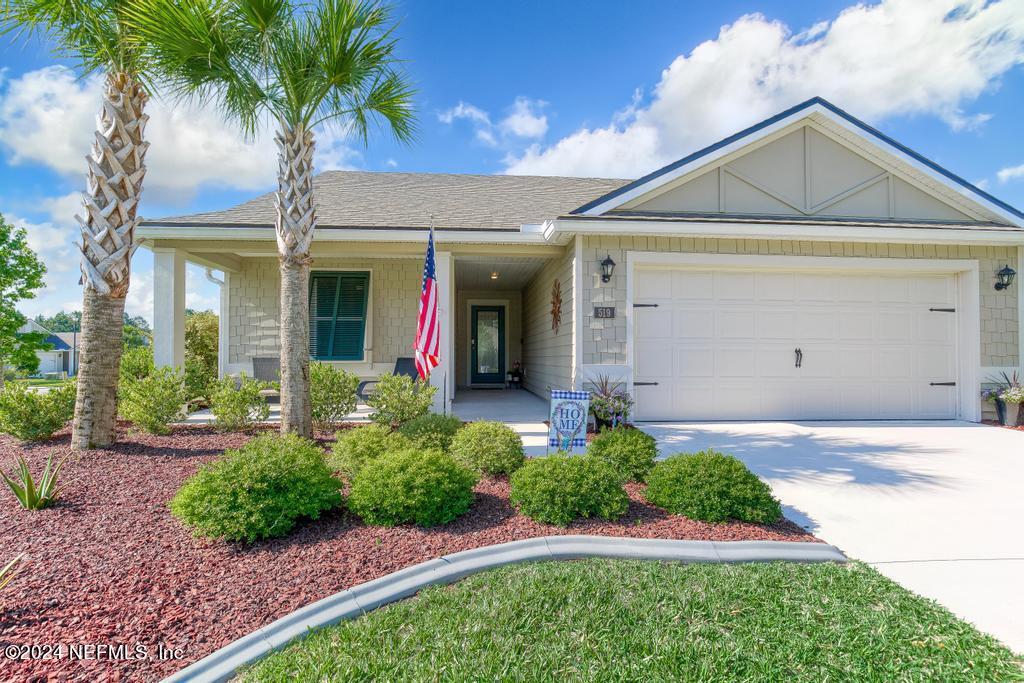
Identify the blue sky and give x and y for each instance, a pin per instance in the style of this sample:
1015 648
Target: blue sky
573 88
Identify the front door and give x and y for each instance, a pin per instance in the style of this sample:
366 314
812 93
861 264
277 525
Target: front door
487 357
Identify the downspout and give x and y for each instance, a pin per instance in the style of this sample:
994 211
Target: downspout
222 322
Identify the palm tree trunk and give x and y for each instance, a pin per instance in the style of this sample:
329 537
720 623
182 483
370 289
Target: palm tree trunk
296 223
114 185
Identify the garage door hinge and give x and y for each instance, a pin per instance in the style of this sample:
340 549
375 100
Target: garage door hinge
942 384
645 305
645 384
942 310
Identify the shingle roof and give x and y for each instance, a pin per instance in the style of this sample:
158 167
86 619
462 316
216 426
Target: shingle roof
72 339
407 200
57 343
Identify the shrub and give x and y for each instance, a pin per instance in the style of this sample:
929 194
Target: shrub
202 331
432 431
258 491
488 448
237 403
35 416
34 494
153 402
136 363
560 488
411 486
629 451
711 487
332 393
398 399
355 447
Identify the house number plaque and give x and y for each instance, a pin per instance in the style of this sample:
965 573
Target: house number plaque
604 312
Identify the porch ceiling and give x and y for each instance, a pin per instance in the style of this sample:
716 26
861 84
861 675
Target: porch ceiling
513 273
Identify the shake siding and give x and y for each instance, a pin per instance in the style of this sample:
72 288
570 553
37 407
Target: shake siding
255 310
547 357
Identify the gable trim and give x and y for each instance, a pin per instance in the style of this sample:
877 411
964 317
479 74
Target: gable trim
770 125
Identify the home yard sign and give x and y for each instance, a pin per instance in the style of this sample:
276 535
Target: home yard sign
568 420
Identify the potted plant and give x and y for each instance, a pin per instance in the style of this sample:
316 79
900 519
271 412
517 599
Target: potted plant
610 403
993 396
1012 397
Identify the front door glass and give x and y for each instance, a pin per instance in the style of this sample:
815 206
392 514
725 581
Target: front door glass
488 344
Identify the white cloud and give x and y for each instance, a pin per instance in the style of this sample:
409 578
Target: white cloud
899 57
391 163
48 116
525 119
1009 173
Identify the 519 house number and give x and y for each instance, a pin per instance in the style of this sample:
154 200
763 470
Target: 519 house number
604 312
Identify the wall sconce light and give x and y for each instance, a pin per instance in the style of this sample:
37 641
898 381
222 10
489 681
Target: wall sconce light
1005 277
607 268
494 275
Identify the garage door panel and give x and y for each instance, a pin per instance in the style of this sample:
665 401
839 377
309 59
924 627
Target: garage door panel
691 323
688 285
654 284
693 362
722 346
734 286
776 287
776 324
735 324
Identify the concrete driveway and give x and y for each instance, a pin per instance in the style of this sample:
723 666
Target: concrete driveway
936 506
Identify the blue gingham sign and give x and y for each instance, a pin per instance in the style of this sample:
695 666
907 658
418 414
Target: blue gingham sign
568 419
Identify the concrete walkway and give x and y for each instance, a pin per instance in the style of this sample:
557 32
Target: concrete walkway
520 409
936 506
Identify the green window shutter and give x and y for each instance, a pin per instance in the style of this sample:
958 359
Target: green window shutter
337 308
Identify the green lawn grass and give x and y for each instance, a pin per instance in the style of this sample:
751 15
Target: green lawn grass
40 382
606 620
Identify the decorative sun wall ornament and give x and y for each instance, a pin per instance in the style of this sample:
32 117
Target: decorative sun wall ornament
556 305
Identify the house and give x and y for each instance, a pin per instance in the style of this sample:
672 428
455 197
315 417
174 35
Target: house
59 359
808 267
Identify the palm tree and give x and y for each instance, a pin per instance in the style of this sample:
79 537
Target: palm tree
299 66
95 33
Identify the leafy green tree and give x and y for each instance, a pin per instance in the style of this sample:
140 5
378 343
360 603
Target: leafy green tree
61 321
301 66
201 335
97 35
21 273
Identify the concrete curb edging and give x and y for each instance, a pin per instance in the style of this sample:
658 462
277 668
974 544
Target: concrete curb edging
353 602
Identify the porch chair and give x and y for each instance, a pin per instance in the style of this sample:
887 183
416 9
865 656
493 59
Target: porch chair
267 369
403 366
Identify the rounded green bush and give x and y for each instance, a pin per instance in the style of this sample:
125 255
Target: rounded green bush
432 431
355 447
397 399
259 490
711 487
332 394
411 486
488 448
560 488
35 416
155 401
630 451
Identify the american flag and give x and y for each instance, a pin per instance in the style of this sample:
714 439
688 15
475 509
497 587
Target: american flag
428 329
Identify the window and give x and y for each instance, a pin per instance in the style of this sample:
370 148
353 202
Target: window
337 314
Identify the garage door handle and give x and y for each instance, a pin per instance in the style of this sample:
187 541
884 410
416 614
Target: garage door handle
942 384
799 357
645 384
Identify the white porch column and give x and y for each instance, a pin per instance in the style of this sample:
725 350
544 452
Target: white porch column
443 376
168 308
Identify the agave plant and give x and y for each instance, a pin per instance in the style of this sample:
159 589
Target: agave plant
31 494
10 570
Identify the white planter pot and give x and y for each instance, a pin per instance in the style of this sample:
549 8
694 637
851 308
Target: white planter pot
1012 409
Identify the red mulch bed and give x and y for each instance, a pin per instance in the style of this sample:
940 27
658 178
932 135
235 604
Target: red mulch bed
995 423
109 565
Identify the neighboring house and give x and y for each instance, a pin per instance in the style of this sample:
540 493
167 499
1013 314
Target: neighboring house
71 339
808 267
59 358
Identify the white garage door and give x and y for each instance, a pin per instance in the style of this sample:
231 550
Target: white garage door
766 345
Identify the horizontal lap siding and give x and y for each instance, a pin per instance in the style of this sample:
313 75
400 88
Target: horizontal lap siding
604 341
254 309
547 357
